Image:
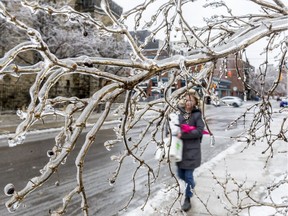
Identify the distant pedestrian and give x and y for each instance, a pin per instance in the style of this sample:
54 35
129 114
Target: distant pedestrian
191 156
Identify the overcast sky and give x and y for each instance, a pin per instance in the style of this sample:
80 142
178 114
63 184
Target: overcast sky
196 14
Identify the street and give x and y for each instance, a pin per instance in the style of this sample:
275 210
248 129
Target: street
21 163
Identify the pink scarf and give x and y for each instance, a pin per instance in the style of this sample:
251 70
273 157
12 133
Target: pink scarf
187 128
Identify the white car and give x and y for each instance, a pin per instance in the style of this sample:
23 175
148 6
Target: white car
231 101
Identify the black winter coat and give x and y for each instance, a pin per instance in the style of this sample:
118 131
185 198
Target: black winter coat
191 156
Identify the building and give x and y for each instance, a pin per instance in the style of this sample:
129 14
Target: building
229 74
151 48
151 51
93 6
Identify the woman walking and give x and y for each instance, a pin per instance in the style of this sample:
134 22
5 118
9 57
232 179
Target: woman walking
191 156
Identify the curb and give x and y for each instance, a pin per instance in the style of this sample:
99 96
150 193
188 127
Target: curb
50 132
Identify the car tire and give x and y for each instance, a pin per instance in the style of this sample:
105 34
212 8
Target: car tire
235 105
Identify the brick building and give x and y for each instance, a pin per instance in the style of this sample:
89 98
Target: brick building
229 74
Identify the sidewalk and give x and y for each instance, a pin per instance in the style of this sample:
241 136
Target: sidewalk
246 168
50 125
9 122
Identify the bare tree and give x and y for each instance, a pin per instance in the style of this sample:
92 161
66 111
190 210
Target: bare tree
221 35
264 78
64 38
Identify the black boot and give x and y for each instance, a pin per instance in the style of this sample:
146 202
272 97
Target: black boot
186 205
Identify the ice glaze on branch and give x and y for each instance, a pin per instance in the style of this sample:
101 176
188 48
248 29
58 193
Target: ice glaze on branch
223 35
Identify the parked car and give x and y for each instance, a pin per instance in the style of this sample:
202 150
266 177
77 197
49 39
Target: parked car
231 101
284 102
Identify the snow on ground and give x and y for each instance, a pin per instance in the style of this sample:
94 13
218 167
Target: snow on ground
162 198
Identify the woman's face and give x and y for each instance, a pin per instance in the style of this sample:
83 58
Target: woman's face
189 102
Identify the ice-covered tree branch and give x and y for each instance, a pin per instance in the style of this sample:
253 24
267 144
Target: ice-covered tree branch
109 52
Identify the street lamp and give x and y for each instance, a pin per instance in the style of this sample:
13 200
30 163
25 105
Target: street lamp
235 89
